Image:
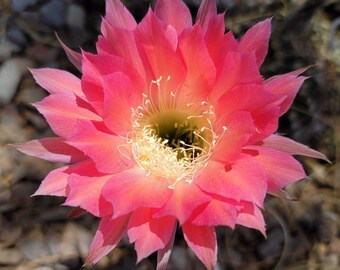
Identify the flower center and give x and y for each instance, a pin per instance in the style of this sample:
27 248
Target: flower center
172 141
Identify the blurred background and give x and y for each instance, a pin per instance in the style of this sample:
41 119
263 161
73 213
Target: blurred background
35 232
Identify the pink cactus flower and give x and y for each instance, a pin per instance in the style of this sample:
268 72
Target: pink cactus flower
171 123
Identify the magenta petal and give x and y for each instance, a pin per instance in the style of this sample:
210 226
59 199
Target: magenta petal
108 234
74 57
132 188
52 149
175 13
206 11
149 234
202 240
253 220
85 192
109 152
163 255
57 81
256 40
62 112
291 147
281 168
244 180
118 15
186 197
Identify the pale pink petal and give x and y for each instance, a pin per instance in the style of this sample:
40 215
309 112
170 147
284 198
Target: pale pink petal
202 240
243 180
186 197
175 13
118 15
85 192
109 152
202 73
108 235
57 81
281 168
236 69
62 112
287 86
52 149
291 147
163 255
253 220
74 57
124 46
206 11
132 188
149 234
119 97
256 39
219 212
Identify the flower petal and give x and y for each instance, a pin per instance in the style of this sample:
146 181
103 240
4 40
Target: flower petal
52 149
106 150
108 234
253 220
85 192
202 240
149 234
245 180
175 13
291 147
55 183
131 189
206 11
256 39
163 255
74 57
186 197
281 168
118 15
57 81
62 112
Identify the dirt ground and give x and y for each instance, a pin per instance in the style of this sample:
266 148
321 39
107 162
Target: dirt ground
35 232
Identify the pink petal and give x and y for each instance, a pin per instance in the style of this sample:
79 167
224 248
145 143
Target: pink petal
286 85
202 240
186 197
124 46
52 149
200 74
239 128
118 101
281 168
252 220
291 147
149 234
256 39
74 57
109 152
164 254
119 16
132 189
245 180
219 212
175 13
57 81
55 182
62 112
206 11
108 235
236 69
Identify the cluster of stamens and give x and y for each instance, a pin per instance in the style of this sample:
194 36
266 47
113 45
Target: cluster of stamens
171 140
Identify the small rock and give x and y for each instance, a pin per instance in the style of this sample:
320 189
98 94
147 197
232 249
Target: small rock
20 5
75 16
6 49
10 256
10 75
53 13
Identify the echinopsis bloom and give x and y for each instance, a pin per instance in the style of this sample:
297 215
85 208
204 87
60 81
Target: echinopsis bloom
170 122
